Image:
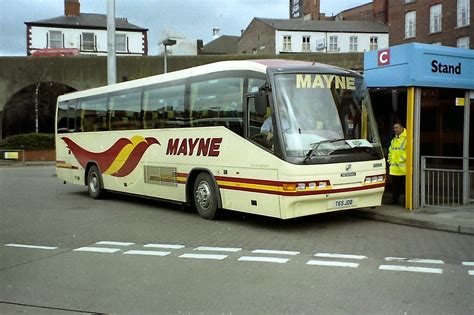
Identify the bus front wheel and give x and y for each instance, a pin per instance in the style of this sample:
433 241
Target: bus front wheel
94 183
205 196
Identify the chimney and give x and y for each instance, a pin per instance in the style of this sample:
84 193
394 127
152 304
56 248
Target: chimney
215 33
381 11
72 8
199 46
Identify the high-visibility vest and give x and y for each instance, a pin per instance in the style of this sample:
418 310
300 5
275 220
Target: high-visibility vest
397 155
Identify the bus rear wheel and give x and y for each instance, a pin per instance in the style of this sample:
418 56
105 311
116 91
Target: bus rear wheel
205 196
94 183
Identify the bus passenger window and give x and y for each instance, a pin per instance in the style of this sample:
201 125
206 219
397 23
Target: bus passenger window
163 107
63 117
218 102
124 111
92 114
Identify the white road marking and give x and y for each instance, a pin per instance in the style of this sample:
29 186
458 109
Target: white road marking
147 253
275 252
468 263
344 256
219 249
332 263
203 256
471 272
415 260
31 246
97 250
114 243
411 269
264 259
168 246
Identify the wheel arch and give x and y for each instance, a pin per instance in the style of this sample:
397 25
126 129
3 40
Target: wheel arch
190 185
86 173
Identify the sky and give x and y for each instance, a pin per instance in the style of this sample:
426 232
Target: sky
194 19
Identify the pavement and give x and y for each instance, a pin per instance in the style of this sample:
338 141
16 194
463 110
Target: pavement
457 220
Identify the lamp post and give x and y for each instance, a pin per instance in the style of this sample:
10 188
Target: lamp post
167 42
111 58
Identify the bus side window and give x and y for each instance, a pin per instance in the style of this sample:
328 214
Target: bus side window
63 117
163 107
124 111
92 113
218 102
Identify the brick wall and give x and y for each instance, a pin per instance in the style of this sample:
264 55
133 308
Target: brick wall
258 36
449 34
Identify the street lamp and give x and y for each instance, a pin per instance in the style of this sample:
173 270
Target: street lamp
167 42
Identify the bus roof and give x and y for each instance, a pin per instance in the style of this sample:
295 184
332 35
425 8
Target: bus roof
257 65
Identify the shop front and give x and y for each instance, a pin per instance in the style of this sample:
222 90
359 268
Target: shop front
431 90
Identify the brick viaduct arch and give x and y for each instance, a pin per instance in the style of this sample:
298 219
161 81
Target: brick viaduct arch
84 72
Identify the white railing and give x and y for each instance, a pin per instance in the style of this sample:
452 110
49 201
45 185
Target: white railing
446 181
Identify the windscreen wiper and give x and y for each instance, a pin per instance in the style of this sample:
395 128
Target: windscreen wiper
316 145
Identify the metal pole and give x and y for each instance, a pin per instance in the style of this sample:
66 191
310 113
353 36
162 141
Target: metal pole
416 150
165 61
465 161
111 60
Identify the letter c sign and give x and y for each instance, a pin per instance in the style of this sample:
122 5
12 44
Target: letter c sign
384 57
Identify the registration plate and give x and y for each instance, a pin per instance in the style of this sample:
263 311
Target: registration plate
341 203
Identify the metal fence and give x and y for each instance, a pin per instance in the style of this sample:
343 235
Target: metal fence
446 181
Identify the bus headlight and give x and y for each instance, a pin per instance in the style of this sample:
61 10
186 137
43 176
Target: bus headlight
301 186
374 179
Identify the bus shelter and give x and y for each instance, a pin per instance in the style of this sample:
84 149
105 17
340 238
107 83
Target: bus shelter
431 89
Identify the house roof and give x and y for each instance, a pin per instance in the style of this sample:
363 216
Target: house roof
86 20
325 26
224 44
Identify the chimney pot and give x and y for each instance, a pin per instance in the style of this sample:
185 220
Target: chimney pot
72 8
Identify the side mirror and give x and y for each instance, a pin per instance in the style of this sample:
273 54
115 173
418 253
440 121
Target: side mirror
261 103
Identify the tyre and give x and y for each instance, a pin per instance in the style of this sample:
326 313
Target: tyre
205 196
94 183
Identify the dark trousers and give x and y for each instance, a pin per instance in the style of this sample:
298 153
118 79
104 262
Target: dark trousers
398 184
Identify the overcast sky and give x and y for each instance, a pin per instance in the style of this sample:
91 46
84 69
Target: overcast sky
195 19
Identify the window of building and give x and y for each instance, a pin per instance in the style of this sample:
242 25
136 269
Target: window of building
121 42
463 13
353 44
88 41
410 24
436 43
306 45
254 51
463 42
435 18
333 43
286 43
410 1
55 39
374 43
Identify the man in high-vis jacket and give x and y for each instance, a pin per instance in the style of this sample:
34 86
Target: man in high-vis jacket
397 156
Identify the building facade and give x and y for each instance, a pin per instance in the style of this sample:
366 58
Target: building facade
86 33
440 22
279 36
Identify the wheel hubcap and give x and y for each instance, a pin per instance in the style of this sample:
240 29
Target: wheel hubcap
93 183
203 195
